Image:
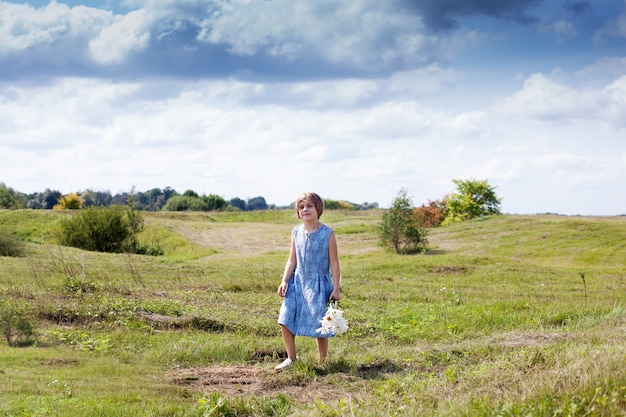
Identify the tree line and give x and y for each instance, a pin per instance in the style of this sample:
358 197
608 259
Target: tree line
155 199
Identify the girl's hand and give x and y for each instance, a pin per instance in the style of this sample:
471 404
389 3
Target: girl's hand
282 289
335 296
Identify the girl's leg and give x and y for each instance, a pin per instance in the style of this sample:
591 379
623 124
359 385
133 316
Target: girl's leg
322 348
290 342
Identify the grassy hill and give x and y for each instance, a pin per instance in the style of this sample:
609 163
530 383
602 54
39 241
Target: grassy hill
508 315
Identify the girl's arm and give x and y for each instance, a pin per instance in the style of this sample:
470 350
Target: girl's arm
334 266
289 268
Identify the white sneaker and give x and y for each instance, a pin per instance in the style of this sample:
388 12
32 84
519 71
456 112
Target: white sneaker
286 364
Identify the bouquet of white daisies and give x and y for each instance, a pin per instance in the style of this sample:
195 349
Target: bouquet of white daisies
333 322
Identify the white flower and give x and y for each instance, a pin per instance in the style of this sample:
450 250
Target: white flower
333 322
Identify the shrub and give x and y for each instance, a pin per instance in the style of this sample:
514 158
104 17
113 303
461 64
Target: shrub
10 246
431 214
15 324
111 229
69 202
76 285
400 227
214 202
184 203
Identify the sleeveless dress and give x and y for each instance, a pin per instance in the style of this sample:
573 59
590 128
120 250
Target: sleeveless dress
311 284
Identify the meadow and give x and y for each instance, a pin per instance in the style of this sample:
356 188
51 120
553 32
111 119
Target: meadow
503 316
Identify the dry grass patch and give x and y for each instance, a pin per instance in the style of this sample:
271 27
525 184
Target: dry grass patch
529 339
260 382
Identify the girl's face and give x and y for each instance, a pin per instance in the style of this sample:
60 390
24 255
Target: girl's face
307 210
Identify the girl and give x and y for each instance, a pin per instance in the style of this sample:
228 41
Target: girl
310 280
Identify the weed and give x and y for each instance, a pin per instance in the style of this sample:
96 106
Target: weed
218 405
82 340
16 324
75 285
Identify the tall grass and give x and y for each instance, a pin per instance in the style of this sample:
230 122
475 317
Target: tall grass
511 316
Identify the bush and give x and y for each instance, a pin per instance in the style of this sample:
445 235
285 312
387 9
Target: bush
186 202
69 202
15 324
10 246
338 205
431 214
400 227
214 202
111 229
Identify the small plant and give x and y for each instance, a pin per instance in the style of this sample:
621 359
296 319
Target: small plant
216 404
77 285
83 341
453 296
15 324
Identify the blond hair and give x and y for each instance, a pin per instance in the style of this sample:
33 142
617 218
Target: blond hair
315 199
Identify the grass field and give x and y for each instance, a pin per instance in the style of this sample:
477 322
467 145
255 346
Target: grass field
505 316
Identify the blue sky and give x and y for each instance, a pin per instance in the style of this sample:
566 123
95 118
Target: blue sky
354 100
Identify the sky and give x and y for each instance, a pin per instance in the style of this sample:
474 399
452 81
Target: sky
354 100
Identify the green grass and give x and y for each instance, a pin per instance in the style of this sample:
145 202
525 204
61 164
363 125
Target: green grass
508 316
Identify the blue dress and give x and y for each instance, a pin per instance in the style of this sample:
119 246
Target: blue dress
311 284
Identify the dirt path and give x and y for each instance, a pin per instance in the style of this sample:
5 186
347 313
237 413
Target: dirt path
258 382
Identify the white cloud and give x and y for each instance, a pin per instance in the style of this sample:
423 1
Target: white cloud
205 136
426 81
23 27
615 95
474 125
126 34
363 33
603 69
544 99
193 139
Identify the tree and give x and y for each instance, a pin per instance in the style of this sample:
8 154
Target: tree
96 198
338 205
473 199
214 202
400 227
11 199
238 203
191 193
43 200
185 203
69 202
256 203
